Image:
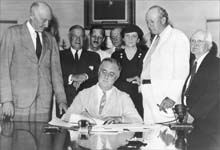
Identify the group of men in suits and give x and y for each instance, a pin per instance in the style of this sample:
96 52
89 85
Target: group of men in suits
32 70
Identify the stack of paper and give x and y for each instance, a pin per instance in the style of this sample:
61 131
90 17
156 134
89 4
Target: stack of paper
61 123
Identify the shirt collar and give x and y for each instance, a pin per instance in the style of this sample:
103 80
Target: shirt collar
93 50
200 59
74 51
100 91
30 28
165 31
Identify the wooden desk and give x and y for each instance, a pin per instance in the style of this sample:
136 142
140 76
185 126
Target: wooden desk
31 136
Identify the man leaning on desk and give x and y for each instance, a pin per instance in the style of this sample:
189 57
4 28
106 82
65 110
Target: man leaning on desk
103 100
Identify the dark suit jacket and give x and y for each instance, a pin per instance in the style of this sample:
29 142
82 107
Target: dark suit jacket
88 63
204 94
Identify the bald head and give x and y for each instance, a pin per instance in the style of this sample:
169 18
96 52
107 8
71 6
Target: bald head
156 19
200 42
40 15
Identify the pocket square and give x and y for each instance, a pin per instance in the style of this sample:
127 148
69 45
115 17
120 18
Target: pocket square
91 67
70 79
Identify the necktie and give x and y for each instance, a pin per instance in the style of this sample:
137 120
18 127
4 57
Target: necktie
38 45
192 74
76 56
102 102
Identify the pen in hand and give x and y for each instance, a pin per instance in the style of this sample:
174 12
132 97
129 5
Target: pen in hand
161 108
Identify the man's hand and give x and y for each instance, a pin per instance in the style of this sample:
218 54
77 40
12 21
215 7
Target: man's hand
77 84
166 104
112 120
62 107
8 110
134 80
7 128
189 118
78 77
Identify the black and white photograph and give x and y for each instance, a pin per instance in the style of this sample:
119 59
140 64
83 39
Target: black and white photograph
109 74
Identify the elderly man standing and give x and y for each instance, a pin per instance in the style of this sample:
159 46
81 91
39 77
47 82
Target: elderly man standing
103 100
165 67
30 70
202 88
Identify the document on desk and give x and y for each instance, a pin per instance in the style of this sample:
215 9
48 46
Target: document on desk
61 123
75 118
122 128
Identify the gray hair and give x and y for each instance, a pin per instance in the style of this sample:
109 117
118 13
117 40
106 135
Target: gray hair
36 5
207 35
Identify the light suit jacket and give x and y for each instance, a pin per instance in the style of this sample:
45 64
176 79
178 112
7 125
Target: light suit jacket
118 104
22 77
169 65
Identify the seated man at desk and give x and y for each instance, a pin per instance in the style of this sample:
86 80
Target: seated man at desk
103 100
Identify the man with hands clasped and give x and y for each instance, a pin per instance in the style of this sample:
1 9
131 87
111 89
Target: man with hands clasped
79 66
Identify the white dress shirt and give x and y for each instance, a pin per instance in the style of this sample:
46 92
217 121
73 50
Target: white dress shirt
33 34
74 52
102 54
100 94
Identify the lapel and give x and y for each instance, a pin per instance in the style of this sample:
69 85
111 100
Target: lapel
202 73
83 55
28 44
203 70
166 34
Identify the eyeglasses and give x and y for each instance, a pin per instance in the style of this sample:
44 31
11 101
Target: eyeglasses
111 75
193 41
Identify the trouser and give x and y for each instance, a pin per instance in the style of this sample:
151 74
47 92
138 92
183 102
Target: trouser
152 114
35 112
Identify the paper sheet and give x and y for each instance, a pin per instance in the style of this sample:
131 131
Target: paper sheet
75 118
61 123
122 128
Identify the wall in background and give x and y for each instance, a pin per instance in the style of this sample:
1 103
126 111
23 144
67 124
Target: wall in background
187 15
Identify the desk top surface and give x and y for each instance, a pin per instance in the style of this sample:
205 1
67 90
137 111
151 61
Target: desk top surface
32 136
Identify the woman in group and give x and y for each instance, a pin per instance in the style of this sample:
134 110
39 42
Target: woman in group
131 58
